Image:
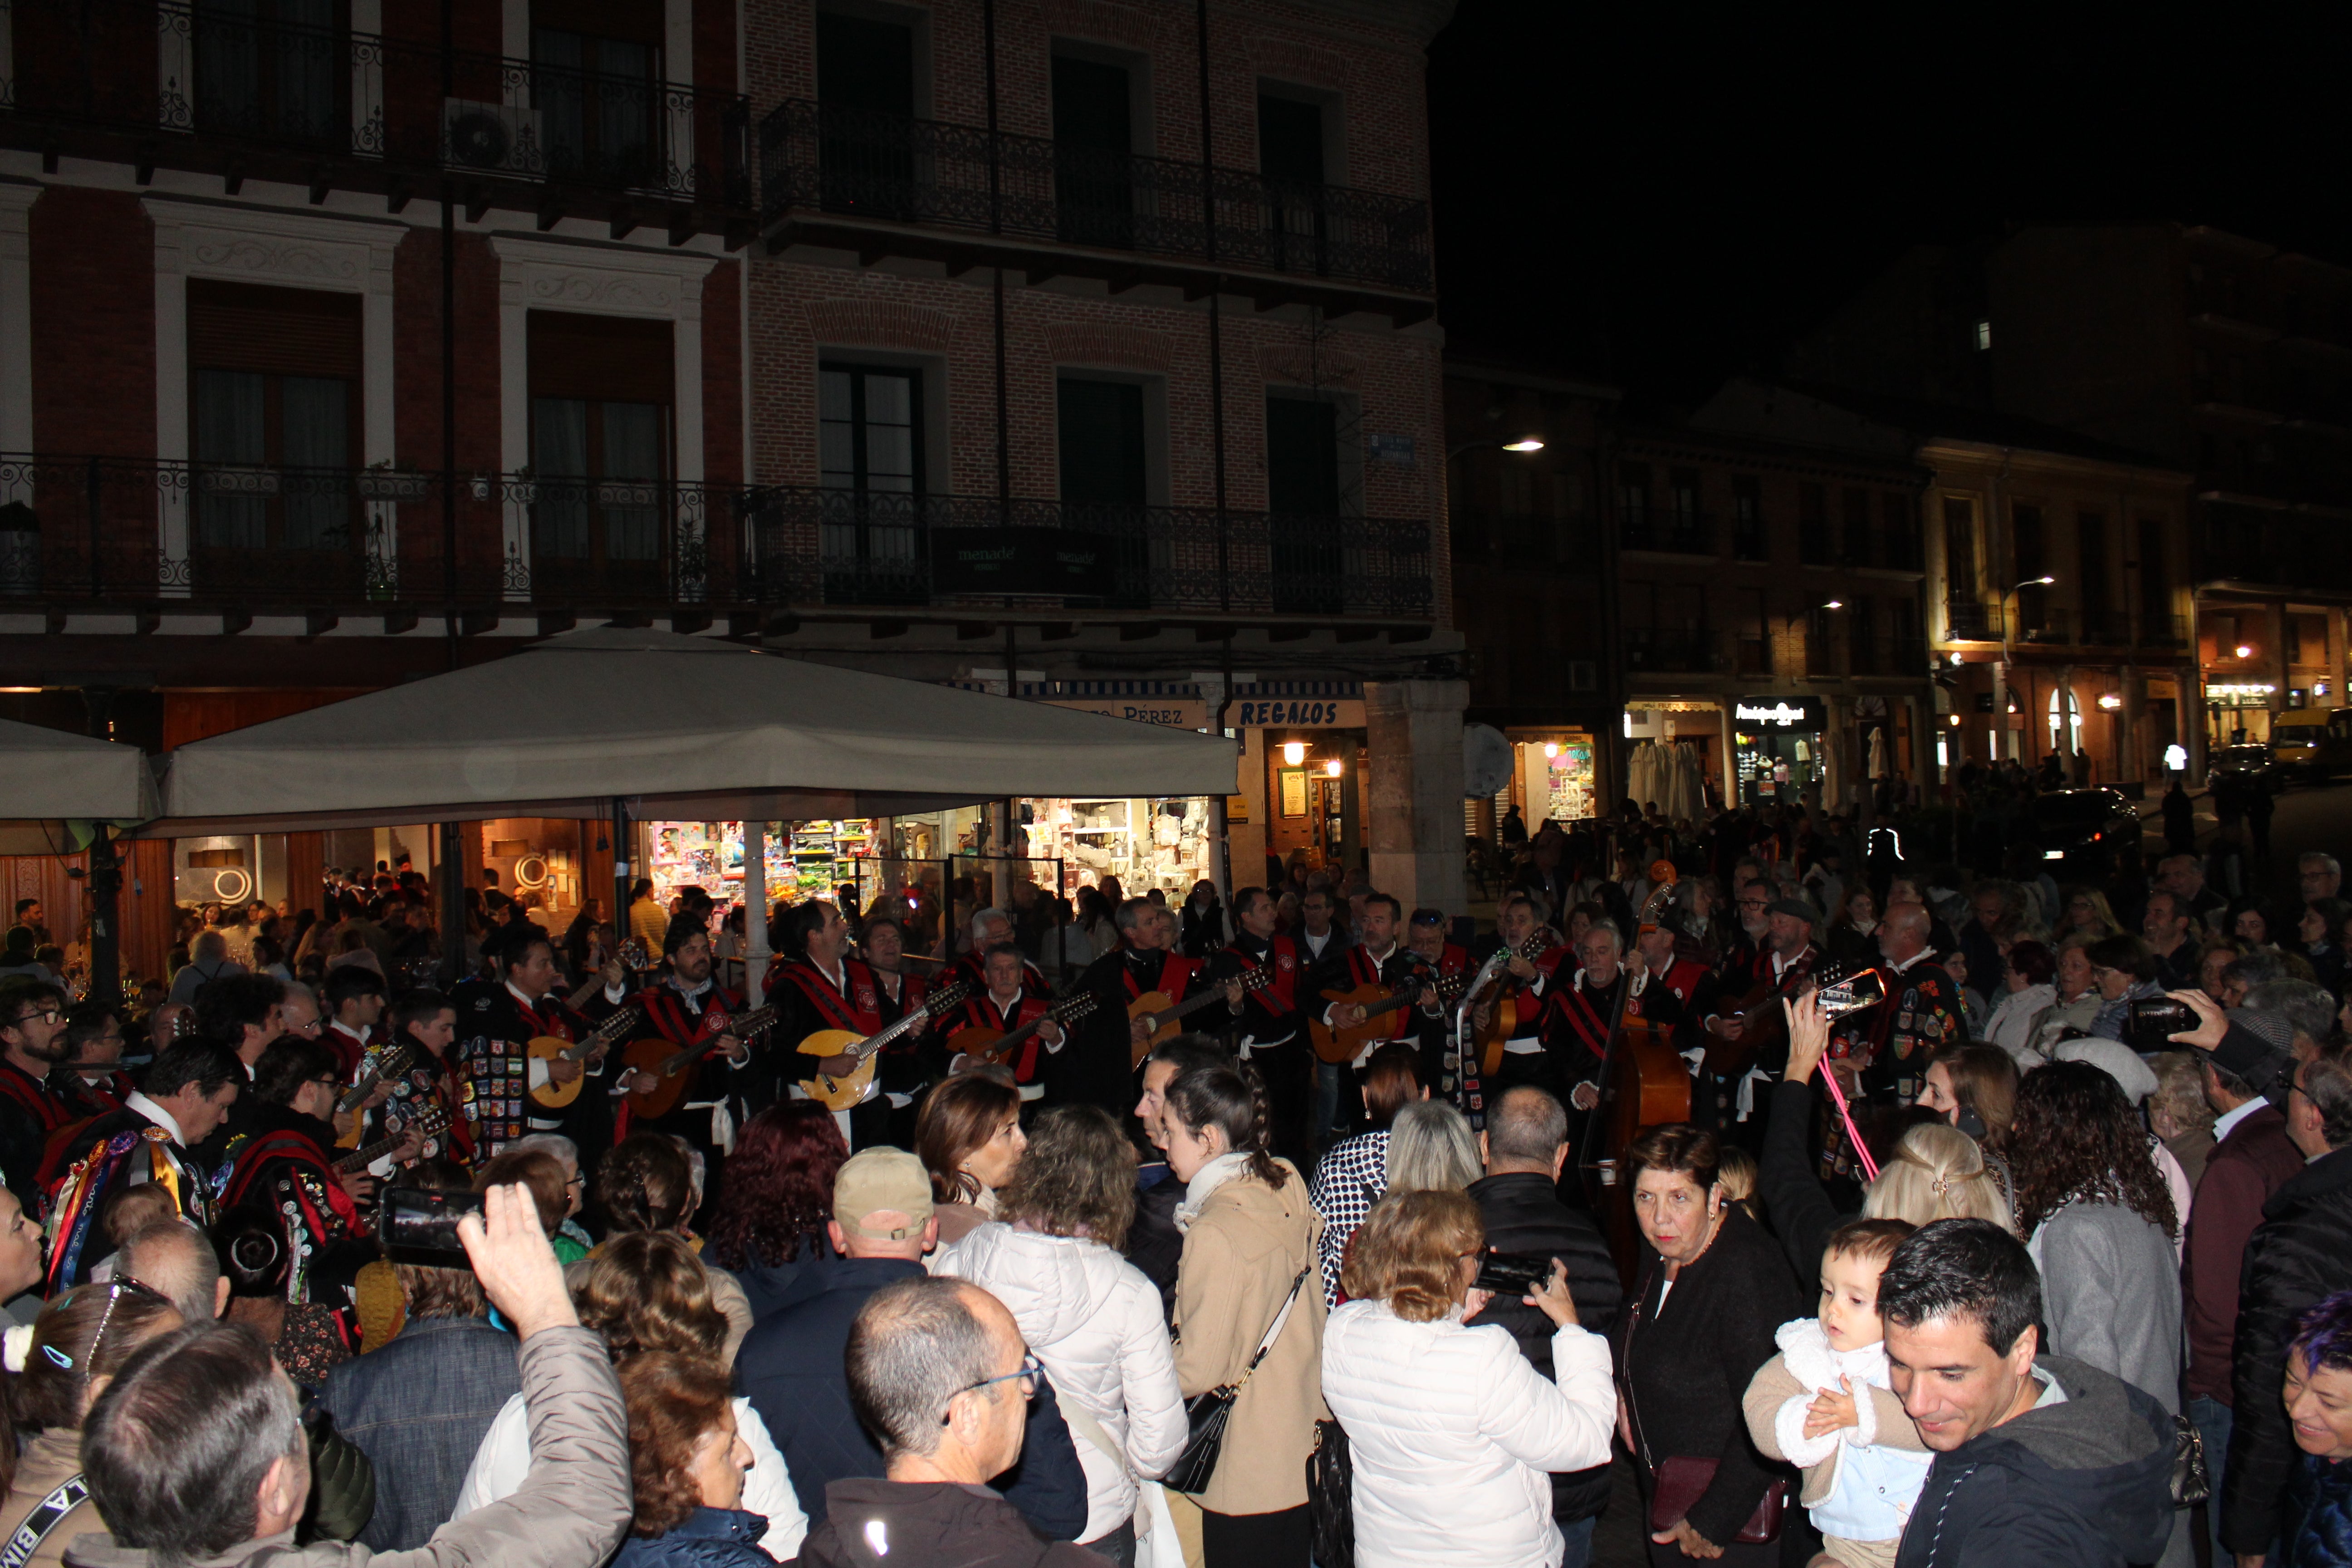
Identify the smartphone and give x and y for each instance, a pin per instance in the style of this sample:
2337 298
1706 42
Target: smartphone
421 1227
1512 1274
1853 994
2155 1020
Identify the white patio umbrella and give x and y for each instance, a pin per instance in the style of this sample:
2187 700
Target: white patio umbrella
47 776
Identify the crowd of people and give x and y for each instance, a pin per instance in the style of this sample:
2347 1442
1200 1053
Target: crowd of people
2009 1219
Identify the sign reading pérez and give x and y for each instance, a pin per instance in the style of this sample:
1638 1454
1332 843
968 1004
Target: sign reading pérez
1781 712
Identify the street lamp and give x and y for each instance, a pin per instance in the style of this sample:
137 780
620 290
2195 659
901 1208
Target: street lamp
2000 670
1531 442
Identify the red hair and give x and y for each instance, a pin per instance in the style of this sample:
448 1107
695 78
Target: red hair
778 1191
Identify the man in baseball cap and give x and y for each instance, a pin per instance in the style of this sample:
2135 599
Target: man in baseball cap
882 1196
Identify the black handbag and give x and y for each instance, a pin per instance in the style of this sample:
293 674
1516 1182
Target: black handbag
2193 1480
1209 1412
1331 1497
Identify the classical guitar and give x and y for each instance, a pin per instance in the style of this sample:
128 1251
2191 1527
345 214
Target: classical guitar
983 1044
1761 1020
431 1121
839 1093
1163 1012
555 1096
1377 1001
1503 1023
381 1067
667 1061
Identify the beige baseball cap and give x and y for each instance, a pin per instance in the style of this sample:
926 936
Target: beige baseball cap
875 1180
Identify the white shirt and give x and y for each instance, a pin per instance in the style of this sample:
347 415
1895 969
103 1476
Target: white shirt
2224 1125
156 1115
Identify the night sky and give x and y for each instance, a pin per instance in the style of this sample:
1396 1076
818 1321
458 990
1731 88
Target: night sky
1663 195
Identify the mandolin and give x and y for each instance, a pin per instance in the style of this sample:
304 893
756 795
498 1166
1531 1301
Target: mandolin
381 1068
984 1045
839 1093
667 1061
431 1121
555 1096
1162 1012
1761 1018
1336 1046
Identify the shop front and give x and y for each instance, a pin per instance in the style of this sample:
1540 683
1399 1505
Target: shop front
1777 747
2239 713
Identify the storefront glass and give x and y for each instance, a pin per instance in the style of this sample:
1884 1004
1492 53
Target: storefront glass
804 859
1777 746
1145 842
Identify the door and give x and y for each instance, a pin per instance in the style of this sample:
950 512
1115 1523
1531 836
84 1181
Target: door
1290 157
866 115
1094 146
274 68
1302 498
599 490
596 82
870 462
1104 477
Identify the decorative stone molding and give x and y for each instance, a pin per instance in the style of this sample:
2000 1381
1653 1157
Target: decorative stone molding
1294 364
1288 59
1114 345
880 324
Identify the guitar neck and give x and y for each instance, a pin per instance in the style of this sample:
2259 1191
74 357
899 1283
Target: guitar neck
605 1032
1055 1013
367 1154
740 1024
390 1065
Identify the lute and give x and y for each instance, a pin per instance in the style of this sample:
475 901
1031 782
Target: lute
1162 1013
555 1096
839 1092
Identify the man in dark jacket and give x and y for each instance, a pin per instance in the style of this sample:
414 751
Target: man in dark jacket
791 1368
1526 1144
2055 1462
938 1372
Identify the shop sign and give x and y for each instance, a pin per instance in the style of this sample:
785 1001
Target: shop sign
1175 712
1054 562
1298 712
1781 712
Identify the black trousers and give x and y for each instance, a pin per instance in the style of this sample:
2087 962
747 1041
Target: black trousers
1288 1070
1283 1540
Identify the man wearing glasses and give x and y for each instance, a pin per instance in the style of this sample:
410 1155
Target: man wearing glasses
32 1043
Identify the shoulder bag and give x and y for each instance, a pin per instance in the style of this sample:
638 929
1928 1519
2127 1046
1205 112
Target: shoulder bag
1678 1482
1331 1497
1209 1412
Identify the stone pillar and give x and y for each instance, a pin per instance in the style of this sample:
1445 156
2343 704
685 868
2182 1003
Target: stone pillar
1412 801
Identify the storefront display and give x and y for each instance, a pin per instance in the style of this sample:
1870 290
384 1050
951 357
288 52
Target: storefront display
1777 746
804 859
1145 843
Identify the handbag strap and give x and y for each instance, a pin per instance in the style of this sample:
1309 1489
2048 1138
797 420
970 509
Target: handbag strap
46 1515
1275 1332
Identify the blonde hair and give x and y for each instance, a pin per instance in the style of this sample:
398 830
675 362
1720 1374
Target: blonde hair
1430 1149
1735 1169
2180 1094
1407 1251
1937 1172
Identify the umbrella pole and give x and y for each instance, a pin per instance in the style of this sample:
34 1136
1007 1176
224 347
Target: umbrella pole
452 872
105 885
621 870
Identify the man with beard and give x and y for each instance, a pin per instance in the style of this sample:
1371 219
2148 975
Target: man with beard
1098 1067
685 1006
32 1046
496 1019
1583 1011
1273 1031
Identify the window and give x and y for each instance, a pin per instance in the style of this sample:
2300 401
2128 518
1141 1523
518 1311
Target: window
1094 147
871 448
1302 491
596 82
274 411
278 69
600 448
1689 523
1755 635
1869 657
2094 590
866 112
1105 474
1984 334
1633 506
2030 559
1960 550
1900 535
2155 581
1290 156
1748 521
1857 527
1813 525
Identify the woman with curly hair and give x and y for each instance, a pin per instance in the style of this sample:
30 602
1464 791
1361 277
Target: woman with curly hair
686 1459
651 1298
1090 1316
645 1183
2098 1219
778 1195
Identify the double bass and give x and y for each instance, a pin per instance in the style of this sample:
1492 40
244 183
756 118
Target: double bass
1644 1083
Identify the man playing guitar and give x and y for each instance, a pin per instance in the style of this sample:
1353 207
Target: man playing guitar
911 1063
1784 962
1272 1027
410 1098
817 986
1526 981
496 1019
1583 1013
1441 1065
686 1007
1003 1006
1101 1071
1376 958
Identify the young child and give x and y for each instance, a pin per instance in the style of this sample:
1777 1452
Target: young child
1823 1404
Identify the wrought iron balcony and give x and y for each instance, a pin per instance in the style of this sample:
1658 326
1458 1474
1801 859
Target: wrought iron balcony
815 546
209 88
829 163
1968 621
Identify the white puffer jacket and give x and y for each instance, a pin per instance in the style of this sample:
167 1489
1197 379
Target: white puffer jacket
1453 1433
1094 1321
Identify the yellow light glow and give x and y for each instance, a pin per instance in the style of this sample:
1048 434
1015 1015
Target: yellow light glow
1525 443
1333 768
2244 651
2110 701
1551 748
1294 752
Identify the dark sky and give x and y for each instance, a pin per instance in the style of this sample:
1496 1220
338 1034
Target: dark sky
1664 194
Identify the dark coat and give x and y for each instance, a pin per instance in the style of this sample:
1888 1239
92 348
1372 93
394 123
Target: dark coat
710 1538
1800 1205
2086 1482
2241 1174
417 1407
930 1524
790 1368
1154 1245
1686 1368
2301 1252
1523 1213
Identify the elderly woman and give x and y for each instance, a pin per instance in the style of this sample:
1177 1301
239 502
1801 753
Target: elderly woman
1453 1431
2078 1000
2124 971
1712 1292
2028 986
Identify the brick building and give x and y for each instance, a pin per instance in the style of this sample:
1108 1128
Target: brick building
335 351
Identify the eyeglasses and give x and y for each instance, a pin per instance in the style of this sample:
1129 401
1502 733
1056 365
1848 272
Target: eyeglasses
46 1014
1031 1371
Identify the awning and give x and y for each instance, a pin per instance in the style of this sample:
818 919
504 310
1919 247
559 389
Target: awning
679 726
49 775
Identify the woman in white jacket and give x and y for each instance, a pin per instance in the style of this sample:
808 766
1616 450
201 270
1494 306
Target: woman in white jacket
1454 1433
1091 1317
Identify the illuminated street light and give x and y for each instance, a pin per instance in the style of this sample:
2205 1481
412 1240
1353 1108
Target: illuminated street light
1294 753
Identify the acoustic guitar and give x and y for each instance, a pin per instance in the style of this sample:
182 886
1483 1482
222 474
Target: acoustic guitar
551 1049
1761 1020
985 1045
1336 1046
1163 1012
381 1067
840 1093
667 1062
430 1121
1503 1022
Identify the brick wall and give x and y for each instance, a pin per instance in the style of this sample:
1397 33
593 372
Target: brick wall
93 297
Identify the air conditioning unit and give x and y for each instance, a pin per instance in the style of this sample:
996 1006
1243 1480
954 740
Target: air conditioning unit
1583 675
504 138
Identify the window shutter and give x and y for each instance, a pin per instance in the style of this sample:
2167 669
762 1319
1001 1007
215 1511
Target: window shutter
284 331
602 359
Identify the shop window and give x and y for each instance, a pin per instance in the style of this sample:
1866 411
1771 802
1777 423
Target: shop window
866 110
600 443
274 413
870 450
278 69
1093 150
596 82
1748 518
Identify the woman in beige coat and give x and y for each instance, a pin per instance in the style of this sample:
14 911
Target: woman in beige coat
1249 1249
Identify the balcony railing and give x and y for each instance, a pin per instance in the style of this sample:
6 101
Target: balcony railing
1967 621
818 546
208 87
1673 649
818 159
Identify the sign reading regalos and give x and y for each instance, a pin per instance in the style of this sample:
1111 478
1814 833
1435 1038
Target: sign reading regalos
1781 712
1297 712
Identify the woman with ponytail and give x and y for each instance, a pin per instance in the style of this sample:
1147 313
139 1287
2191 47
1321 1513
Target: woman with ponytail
1248 1263
56 1367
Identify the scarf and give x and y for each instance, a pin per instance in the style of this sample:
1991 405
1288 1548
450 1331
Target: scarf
1206 1181
1805 1351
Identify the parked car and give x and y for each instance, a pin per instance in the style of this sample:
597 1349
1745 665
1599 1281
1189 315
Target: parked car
2251 763
2082 829
2312 743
